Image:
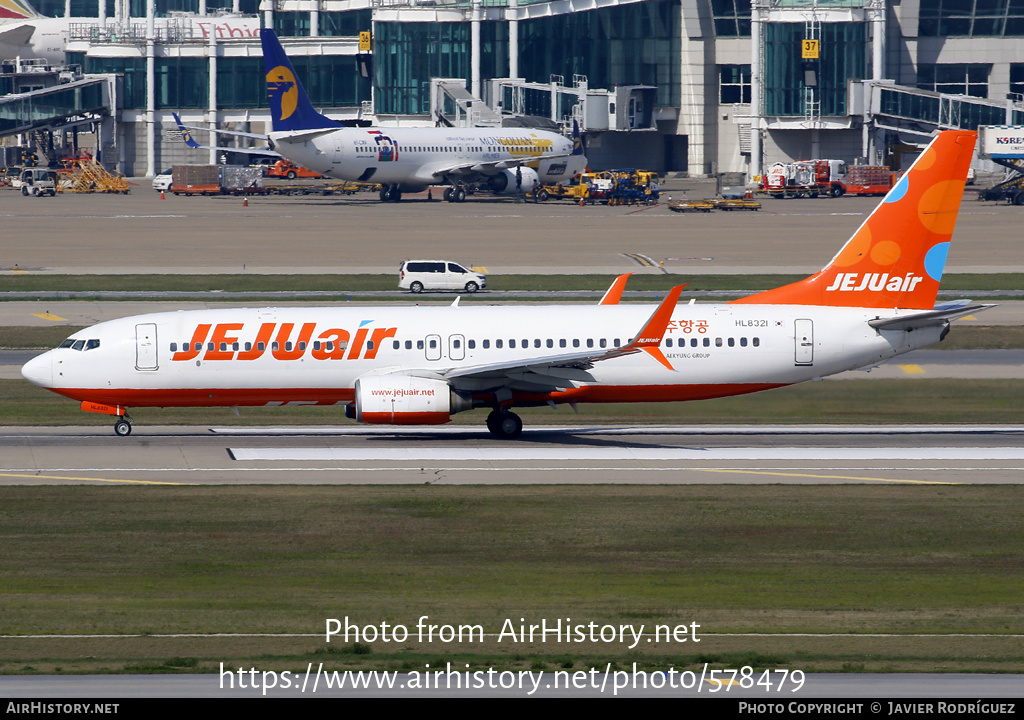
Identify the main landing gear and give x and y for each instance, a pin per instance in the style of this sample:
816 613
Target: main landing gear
390 193
504 424
123 426
456 193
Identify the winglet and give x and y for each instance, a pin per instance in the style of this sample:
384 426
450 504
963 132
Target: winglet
614 292
185 134
650 336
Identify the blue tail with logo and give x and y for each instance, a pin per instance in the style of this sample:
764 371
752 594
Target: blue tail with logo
290 108
577 141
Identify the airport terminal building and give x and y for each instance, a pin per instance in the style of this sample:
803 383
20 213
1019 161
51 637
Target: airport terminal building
697 86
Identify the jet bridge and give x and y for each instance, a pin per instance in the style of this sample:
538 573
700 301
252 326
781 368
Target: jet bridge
87 101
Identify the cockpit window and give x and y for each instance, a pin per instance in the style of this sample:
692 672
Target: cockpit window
67 343
79 344
92 344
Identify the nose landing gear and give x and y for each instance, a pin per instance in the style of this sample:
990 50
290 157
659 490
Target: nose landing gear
123 426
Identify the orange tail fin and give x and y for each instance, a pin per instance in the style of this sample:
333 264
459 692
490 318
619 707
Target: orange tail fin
896 258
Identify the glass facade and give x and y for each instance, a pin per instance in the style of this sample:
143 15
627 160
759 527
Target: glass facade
733 84
182 83
637 44
843 57
1017 80
971 18
345 24
291 24
241 83
731 17
407 55
133 87
329 80
955 79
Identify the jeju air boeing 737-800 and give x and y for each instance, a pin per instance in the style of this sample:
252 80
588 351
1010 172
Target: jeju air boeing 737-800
419 365
504 161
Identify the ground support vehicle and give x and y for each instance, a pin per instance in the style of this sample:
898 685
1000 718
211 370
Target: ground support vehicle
869 180
217 180
38 182
688 206
735 204
1004 145
805 178
285 169
84 174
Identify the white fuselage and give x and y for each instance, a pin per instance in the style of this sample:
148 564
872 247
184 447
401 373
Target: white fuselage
279 356
414 158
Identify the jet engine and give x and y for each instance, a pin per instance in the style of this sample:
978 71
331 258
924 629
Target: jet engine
504 183
397 399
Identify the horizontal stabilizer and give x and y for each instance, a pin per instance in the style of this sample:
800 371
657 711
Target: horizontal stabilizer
931 318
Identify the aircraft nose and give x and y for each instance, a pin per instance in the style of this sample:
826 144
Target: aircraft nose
39 370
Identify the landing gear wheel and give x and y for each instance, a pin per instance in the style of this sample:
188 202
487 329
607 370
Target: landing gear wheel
1018 199
504 425
416 287
123 428
459 195
383 194
448 194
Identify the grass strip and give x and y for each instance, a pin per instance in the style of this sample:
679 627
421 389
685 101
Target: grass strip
850 559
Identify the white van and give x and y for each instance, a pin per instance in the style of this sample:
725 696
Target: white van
419 275
163 181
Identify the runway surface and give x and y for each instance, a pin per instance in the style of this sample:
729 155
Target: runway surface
544 455
139 233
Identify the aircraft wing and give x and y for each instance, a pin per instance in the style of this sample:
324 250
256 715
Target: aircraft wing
186 135
942 314
564 371
470 169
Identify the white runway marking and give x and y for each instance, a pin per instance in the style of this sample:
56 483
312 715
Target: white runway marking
500 454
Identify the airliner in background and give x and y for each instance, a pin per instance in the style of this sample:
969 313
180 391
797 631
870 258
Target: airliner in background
399 365
500 160
26 34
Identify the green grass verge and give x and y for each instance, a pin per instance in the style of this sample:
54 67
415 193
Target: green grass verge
852 559
343 284
846 401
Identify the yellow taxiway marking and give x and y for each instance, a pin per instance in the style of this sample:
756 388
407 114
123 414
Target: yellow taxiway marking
479 269
22 272
50 316
90 479
911 369
823 477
